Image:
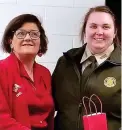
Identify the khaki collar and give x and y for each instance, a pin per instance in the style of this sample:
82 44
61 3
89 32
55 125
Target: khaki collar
99 57
75 54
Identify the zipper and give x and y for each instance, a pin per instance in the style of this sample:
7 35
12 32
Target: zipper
79 115
80 103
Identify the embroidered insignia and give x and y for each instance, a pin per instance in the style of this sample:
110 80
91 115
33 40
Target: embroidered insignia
103 56
16 87
110 82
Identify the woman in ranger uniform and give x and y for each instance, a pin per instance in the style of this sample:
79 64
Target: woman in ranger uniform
25 87
94 68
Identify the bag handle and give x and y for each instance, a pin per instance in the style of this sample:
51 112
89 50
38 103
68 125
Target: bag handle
89 105
94 95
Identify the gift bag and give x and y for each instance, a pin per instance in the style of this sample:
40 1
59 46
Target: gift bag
94 121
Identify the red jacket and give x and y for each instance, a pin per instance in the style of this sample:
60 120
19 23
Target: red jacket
24 103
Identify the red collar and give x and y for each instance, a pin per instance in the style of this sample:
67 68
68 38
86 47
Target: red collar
20 67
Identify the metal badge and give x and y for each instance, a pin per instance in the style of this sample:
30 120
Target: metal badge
110 82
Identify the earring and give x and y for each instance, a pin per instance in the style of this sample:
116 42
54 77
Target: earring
9 41
40 54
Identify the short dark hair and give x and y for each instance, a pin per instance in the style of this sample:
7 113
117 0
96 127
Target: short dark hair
15 24
99 9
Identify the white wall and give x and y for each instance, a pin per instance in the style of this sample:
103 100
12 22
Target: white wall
62 20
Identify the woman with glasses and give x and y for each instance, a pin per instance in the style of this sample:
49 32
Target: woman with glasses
25 87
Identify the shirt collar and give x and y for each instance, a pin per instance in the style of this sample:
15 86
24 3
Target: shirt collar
87 53
104 55
99 57
21 68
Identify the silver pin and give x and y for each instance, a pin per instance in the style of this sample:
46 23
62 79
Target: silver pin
16 87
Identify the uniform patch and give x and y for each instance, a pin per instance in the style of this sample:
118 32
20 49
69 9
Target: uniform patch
110 82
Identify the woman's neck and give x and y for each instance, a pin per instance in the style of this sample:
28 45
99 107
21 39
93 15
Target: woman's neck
27 61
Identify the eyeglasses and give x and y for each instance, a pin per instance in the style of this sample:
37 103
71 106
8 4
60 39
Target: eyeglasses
21 34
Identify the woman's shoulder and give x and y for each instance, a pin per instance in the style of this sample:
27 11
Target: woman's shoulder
8 62
6 71
4 63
